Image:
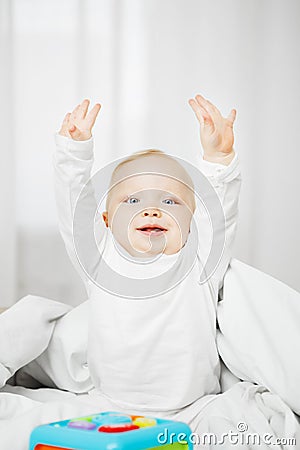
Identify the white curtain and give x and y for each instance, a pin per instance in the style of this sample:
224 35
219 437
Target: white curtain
8 236
143 59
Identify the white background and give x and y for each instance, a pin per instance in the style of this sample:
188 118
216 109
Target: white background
142 60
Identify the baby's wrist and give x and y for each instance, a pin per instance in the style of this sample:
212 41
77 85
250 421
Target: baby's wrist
220 158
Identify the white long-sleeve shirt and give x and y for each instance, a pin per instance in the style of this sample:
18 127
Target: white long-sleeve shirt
156 353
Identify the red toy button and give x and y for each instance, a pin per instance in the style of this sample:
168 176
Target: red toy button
118 428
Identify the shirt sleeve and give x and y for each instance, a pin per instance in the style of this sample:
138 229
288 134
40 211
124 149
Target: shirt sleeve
219 173
226 181
73 162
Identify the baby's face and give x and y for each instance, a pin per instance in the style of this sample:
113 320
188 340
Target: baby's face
149 213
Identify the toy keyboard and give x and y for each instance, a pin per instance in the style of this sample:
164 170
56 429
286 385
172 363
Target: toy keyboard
112 430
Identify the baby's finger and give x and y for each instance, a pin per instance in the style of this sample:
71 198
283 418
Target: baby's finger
231 117
73 115
82 110
66 120
212 109
74 133
92 116
65 125
198 110
202 114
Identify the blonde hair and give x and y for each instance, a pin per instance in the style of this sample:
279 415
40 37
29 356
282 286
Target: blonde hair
142 154
138 155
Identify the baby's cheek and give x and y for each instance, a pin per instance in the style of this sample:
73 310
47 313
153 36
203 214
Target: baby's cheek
121 217
184 228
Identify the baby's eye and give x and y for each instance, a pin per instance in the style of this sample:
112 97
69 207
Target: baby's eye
132 200
169 201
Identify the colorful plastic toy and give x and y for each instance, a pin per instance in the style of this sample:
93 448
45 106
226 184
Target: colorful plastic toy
112 430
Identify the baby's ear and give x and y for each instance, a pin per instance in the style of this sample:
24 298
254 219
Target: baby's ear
105 217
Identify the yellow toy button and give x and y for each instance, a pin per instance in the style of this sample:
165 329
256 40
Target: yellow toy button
144 422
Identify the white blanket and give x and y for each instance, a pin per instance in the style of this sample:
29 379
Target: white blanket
43 343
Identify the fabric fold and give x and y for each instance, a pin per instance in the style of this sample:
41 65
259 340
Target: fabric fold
25 331
259 334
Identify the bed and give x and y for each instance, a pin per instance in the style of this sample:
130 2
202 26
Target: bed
44 376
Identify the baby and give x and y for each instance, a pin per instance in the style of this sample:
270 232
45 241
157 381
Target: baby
157 352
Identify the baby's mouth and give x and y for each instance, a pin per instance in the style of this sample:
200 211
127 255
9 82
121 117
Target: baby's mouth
152 229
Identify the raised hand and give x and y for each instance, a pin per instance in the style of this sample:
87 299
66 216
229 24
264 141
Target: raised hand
216 131
78 124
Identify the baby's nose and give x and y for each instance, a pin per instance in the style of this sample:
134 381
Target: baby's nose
151 212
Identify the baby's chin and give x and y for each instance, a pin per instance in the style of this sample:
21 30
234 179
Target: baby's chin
140 249
152 247
148 245
146 250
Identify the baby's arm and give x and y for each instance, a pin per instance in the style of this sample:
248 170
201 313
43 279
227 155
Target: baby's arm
73 161
221 166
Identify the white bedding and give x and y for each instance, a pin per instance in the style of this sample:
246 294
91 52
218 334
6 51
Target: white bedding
258 339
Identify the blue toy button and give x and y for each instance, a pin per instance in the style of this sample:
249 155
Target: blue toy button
111 419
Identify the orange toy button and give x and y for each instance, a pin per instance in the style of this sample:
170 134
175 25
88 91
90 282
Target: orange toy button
135 417
144 422
118 428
